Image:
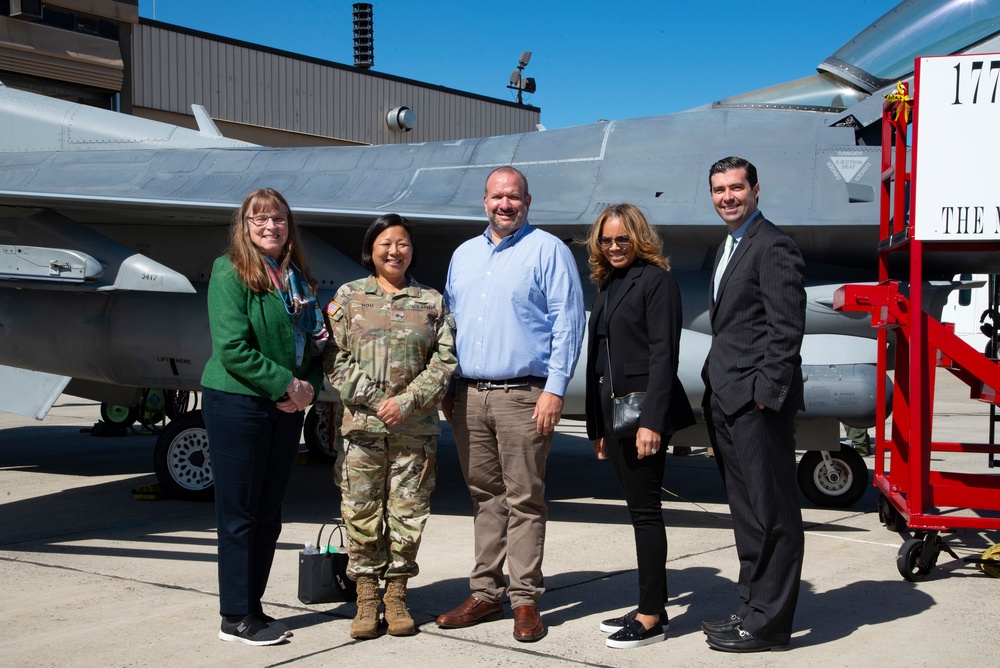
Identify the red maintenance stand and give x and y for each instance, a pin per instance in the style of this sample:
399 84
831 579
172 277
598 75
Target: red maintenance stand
917 500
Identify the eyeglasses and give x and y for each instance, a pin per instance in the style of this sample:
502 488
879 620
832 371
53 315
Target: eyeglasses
623 242
261 220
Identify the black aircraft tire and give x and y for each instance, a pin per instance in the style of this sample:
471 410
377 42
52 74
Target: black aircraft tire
844 490
181 459
178 402
317 433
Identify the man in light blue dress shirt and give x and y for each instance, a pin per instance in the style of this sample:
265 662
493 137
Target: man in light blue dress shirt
518 305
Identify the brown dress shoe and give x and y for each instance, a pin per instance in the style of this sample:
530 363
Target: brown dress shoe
471 612
528 625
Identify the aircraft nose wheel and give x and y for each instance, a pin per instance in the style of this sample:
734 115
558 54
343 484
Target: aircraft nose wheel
182 461
833 479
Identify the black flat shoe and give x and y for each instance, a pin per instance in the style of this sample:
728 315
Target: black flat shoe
635 635
618 623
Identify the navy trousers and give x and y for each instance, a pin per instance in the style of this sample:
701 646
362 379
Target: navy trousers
253 447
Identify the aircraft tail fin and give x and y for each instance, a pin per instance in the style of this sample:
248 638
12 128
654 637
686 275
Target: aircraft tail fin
206 125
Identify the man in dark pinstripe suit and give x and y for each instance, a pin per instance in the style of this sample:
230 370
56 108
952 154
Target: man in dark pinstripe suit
757 307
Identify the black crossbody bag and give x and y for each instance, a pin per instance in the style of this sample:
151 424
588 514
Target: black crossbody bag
624 410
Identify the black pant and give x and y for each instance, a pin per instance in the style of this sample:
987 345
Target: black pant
758 454
641 480
253 447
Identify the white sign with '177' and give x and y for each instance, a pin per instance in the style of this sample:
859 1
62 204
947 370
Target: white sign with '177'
956 146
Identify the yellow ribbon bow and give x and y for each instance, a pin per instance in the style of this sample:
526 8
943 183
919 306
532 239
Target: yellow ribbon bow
903 102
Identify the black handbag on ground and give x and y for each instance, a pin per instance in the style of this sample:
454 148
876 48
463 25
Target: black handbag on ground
624 410
323 574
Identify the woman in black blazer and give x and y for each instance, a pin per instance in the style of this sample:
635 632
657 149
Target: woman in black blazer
634 334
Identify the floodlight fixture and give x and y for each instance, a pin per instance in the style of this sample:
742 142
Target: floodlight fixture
519 83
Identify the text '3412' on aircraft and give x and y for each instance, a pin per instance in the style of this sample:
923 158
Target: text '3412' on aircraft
109 223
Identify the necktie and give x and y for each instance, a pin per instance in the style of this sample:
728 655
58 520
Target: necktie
722 264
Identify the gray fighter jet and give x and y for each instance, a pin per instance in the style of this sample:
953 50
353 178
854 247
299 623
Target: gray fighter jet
109 225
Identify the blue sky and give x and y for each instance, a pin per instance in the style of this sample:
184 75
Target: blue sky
591 60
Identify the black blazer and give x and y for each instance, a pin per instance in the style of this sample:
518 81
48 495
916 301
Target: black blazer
757 323
644 331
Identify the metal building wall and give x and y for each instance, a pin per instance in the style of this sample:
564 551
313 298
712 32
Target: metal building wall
242 83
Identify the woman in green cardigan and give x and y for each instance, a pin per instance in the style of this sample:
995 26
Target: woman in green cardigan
266 365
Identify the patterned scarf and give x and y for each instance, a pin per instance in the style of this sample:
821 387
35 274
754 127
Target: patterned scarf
301 306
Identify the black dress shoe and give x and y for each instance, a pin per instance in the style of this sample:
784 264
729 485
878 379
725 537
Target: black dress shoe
715 628
740 640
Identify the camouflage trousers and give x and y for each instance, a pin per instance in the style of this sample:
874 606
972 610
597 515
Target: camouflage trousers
385 487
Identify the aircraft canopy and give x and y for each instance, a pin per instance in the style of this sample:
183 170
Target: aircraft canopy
881 54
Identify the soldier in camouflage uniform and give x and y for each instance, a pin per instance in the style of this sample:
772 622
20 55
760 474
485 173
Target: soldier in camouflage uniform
391 364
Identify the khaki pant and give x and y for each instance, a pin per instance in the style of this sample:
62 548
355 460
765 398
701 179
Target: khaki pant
503 461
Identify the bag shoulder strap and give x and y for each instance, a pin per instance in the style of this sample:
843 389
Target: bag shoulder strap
607 341
338 527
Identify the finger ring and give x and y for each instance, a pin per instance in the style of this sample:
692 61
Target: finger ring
654 451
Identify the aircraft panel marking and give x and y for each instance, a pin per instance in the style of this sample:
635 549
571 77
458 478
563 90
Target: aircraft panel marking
558 161
849 165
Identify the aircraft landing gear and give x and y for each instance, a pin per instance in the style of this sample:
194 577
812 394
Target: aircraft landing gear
320 431
120 417
182 461
833 479
149 411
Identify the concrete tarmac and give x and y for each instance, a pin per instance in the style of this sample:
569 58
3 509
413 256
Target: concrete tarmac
91 577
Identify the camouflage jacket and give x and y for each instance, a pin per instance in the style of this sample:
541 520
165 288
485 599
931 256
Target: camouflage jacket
398 345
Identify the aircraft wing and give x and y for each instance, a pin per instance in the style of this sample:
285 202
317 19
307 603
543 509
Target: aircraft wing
109 224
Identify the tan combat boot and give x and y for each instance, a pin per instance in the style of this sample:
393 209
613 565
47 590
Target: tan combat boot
396 615
365 624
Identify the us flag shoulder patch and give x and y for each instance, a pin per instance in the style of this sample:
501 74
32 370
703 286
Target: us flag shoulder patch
333 308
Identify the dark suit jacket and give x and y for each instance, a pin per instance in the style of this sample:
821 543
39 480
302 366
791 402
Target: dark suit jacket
644 330
757 323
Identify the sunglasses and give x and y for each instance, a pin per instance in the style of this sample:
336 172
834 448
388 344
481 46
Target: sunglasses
621 240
